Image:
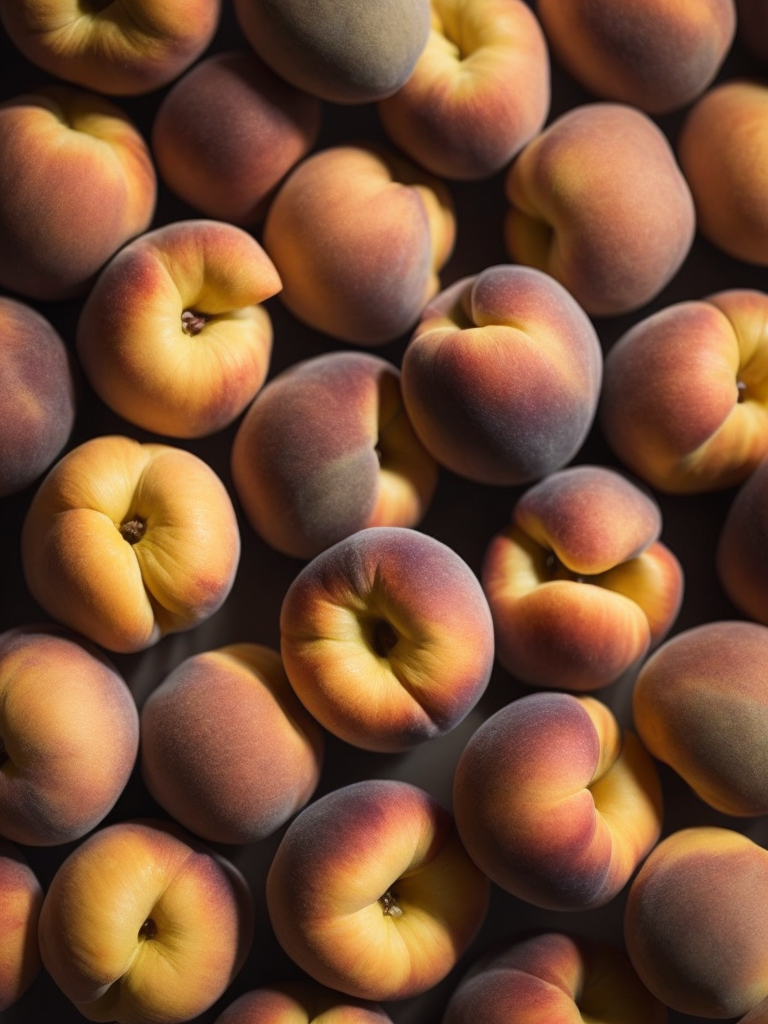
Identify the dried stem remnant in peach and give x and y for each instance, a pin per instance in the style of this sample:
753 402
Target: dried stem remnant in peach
383 637
133 529
389 904
192 322
559 571
148 930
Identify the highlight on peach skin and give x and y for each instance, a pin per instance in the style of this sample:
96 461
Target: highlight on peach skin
301 1002
387 638
21 897
555 802
579 585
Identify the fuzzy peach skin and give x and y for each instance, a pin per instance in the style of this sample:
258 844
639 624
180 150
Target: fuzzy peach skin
741 554
658 55
21 897
339 50
722 147
38 395
579 585
479 92
173 335
693 927
371 892
301 1002
700 706
226 747
599 202
359 235
711 433
555 977
555 802
142 924
387 638
501 377
228 132
69 735
125 542
123 48
326 449
80 184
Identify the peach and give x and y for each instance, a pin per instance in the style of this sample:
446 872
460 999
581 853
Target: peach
693 926
387 638
554 977
69 735
502 375
125 542
173 335
599 202
723 148
121 49
325 450
21 897
226 747
700 706
358 235
555 802
341 52
713 431
658 55
579 585
83 185
39 395
478 93
371 892
228 132
143 924
741 554
300 1002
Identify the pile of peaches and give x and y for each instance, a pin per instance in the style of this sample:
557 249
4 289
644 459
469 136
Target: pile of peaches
384 489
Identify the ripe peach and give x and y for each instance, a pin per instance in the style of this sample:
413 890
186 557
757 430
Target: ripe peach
501 378
387 638
579 586
301 1002
69 735
173 335
358 235
228 132
478 93
693 927
83 185
371 892
555 803
39 395
741 556
21 897
658 55
326 449
599 202
226 747
125 542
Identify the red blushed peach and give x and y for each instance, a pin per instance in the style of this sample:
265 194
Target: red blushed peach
142 924
579 586
69 736
84 184
300 1002
173 336
658 55
358 236
599 202
479 91
555 803
125 542
554 977
741 555
228 132
700 706
501 378
327 449
226 747
387 638
693 926
21 897
122 49
723 150
371 892
711 431
39 398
